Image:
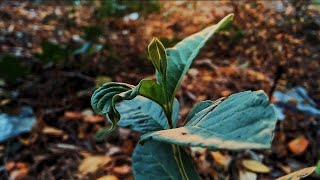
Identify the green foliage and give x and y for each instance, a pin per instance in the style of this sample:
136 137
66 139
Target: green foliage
169 42
245 120
155 160
11 68
143 115
318 168
102 134
181 56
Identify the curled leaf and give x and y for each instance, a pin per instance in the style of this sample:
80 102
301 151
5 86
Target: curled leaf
105 98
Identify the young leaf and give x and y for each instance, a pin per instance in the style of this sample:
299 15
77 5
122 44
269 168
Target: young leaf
151 90
243 121
143 115
157 54
180 57
155 160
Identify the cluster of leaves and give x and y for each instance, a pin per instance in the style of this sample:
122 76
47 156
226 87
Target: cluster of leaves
244 120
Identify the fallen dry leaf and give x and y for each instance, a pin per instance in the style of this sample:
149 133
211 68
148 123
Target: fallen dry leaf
93 119
285 169
255 166
247 175
92 163
52 131
9 165
225 93
221 159
108 177
255 75
20 171
125 169
298 174
298 145
72 115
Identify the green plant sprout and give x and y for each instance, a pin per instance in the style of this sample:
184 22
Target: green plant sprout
244 120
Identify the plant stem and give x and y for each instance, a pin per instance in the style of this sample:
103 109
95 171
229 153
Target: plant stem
168 112
177 157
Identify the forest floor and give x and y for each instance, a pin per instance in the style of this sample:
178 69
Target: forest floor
65 51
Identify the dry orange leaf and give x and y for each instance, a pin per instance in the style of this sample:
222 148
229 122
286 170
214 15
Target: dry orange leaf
20 171
52 131
298 174
72 115
298 145
220 158
93 119
92 163
255 166
125 169
256 75
108 177
225 93
10 165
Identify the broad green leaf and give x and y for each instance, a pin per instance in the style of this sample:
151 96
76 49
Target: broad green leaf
318 168
180 57
157 54
104 99
155 160
203 107
244 120
143 115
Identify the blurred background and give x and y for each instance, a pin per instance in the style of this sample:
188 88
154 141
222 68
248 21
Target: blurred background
53 54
